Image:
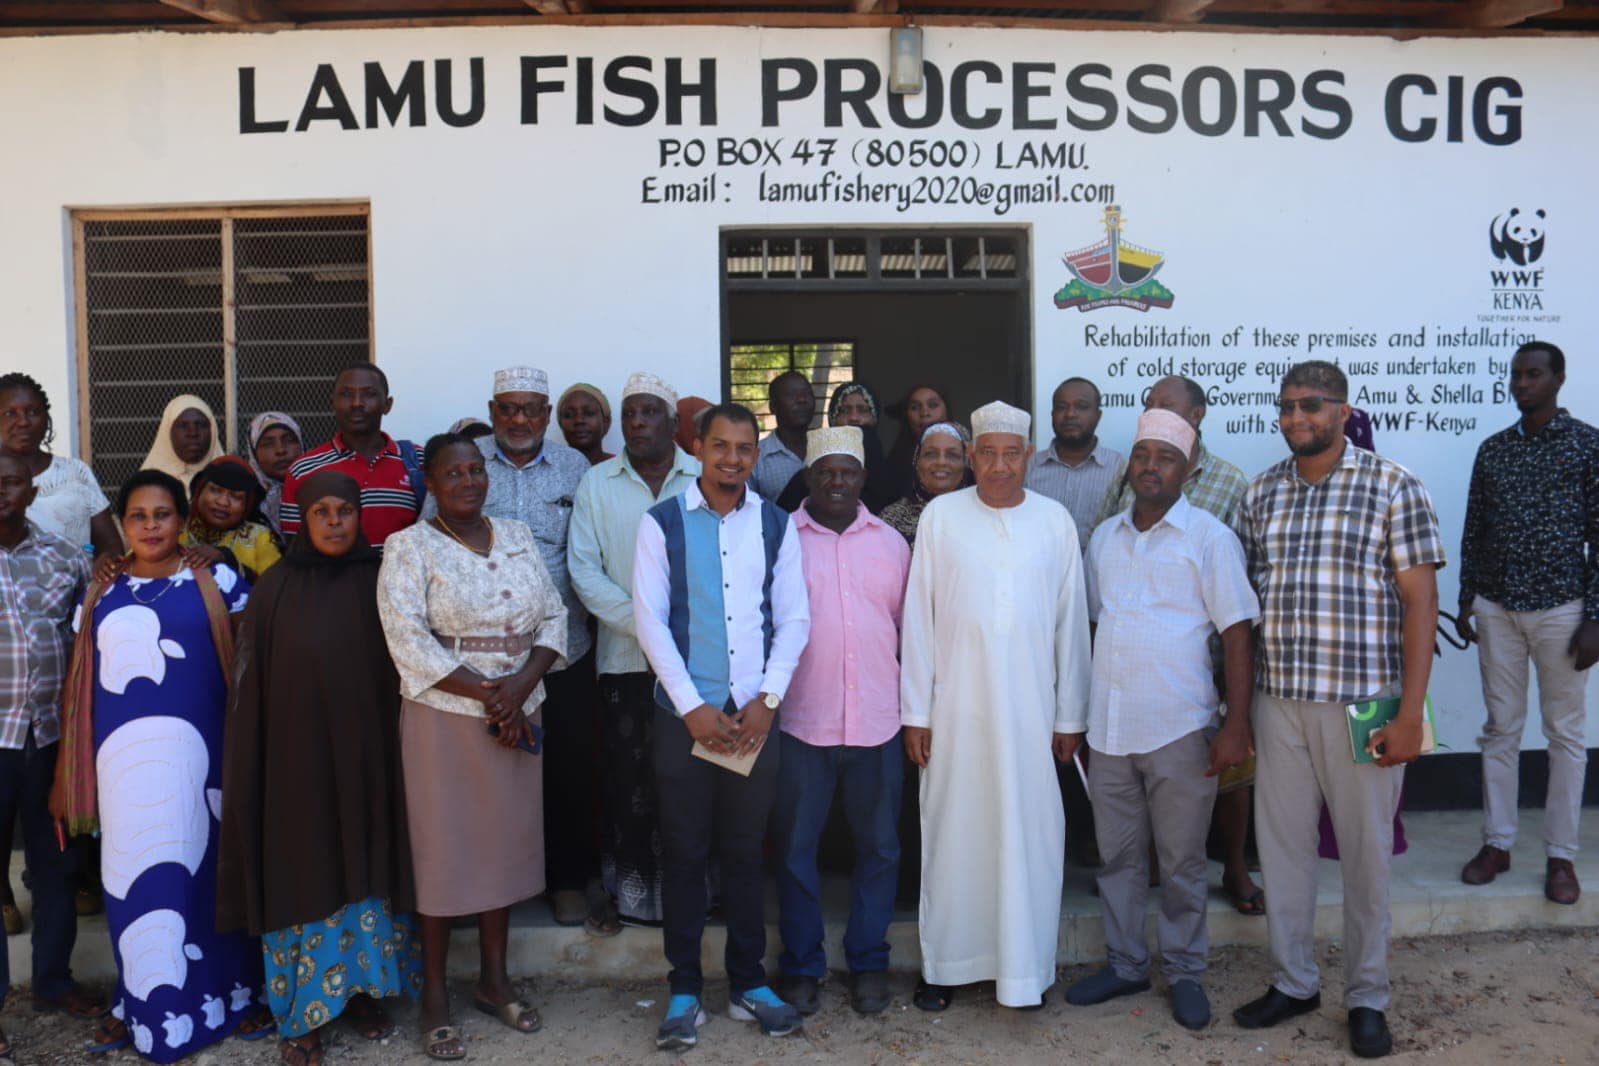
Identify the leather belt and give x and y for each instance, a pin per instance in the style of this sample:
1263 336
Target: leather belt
501 645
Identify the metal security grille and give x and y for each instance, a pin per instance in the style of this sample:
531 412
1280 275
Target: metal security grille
753 366
251 309
852 260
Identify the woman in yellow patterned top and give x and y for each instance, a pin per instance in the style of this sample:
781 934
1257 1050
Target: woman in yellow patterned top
224 516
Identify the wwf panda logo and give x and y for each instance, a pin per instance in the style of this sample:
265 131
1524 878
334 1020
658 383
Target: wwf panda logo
1517 236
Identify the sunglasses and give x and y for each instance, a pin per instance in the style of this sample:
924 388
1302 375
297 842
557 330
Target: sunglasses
1308 404
530 411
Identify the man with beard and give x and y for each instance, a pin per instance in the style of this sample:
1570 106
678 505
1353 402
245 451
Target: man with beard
994 674
610 503
782 452
388 471
722 615
533 479
1529 570
1343 550
1075 470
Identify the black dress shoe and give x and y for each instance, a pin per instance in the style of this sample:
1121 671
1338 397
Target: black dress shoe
801 993
1273 1007
1368 1033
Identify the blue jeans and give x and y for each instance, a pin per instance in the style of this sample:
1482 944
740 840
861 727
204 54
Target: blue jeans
26 774
869 780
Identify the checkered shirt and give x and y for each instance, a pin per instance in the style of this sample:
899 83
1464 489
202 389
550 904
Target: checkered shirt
1323 558
41 581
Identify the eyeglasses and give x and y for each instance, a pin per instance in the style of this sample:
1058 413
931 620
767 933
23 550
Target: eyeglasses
531 411
1308 404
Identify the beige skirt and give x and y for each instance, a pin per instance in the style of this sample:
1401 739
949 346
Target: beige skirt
476 813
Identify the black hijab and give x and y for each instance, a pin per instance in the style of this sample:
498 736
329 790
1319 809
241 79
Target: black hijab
879 490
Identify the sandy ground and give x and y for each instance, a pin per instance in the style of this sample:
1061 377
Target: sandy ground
1526 998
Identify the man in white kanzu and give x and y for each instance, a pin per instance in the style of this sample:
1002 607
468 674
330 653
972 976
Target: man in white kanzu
994 672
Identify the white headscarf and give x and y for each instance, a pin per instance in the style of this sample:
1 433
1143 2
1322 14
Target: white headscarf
164 457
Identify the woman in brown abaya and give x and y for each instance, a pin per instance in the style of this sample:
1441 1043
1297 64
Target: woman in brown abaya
315 856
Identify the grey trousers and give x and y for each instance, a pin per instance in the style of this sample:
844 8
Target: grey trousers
1506 641
1166 788
1302 757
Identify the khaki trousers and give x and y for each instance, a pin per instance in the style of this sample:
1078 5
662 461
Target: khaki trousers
1506 640
1303 757
1167 789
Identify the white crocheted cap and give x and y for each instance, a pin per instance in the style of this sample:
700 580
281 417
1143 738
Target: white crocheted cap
521 379
835 440
1168 427
642 382
1001 417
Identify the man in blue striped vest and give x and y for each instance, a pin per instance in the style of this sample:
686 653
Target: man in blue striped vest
721 612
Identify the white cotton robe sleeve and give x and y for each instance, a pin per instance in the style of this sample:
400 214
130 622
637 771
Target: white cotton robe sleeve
917 639
1072 670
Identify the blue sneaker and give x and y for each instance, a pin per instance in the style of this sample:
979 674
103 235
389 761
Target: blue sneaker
679 1030
762 1005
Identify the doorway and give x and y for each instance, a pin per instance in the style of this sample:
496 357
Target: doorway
892 308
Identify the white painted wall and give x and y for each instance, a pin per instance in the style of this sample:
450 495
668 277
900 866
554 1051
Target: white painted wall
507 242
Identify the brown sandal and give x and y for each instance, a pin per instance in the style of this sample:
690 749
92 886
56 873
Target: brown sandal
518 1014
369 1018
295 1053
77 1003
443 1044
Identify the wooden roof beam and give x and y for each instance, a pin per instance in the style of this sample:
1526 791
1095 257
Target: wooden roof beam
874 7
1176 10
1498 14
230 12
560 7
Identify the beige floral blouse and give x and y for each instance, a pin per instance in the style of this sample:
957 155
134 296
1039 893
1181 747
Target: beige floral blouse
431 584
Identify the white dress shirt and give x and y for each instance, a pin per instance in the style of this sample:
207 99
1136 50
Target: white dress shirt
1157 595
750 670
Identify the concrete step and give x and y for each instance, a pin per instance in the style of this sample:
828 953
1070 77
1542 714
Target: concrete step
1428 898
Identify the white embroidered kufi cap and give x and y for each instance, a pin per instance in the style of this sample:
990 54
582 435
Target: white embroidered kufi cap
521 379
835 440
1168 427
1001 417
642 382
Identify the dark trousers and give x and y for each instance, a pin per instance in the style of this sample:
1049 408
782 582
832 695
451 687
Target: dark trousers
868 780
571 712
704 806
630 831
25 778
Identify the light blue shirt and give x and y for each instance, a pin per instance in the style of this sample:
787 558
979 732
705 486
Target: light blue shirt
606 511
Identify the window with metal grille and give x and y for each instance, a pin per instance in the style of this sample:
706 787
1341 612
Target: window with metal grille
251 309
958 259
751 368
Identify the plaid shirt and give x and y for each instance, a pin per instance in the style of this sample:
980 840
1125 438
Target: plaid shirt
41 581
1323 558
1215 485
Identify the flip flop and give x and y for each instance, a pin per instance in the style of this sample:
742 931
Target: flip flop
932 997
518 1014
370 1020
261 1025
75 1004
436 1041
5 1048
110 1035
1253 905
297 1054
603 923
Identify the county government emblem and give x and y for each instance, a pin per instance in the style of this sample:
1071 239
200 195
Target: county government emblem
1113 272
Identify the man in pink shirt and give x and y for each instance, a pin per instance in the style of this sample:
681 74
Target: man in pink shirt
840 726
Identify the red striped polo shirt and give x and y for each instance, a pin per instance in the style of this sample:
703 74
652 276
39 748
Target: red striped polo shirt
388 503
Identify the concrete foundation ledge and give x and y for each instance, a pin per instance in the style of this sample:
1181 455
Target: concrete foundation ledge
1428 899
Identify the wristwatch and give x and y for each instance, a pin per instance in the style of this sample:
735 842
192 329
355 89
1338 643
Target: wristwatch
771 699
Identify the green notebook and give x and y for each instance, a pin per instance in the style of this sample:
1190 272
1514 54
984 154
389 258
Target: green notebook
1367 717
